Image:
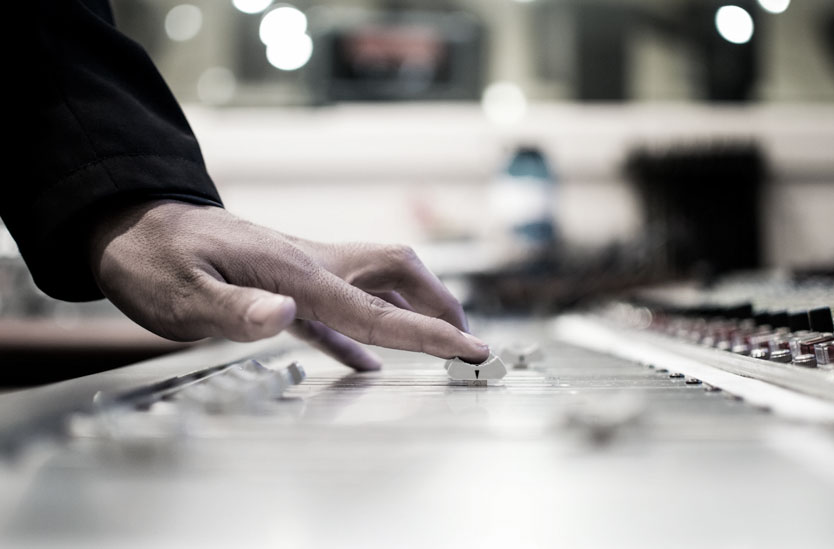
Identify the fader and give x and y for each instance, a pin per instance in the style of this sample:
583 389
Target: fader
476 374
521 355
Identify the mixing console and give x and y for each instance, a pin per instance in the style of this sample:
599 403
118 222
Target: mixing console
231 445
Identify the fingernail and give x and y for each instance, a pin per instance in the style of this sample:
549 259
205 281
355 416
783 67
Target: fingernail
475 340
264 308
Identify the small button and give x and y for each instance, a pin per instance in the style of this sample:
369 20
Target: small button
824 353
805 346
760 353
782 356
808 361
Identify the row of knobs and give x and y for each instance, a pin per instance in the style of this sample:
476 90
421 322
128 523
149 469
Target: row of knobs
803 338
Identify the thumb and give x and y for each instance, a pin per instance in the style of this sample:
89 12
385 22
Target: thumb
245 314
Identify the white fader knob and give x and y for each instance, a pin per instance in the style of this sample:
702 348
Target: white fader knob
521 355
490 369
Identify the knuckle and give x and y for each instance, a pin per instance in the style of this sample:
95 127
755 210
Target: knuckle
378 307
384 266
380 312
402 254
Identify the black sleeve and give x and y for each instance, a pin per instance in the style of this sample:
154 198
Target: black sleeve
101 129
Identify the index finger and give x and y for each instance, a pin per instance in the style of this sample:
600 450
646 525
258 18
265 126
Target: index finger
374 321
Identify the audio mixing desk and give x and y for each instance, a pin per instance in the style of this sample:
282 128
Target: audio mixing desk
594 441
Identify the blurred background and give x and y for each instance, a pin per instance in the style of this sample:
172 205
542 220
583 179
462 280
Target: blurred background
535 153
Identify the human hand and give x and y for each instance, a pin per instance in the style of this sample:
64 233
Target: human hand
187 272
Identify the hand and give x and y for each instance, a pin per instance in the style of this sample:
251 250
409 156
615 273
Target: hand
187 272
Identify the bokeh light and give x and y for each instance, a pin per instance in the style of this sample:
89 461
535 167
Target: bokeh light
775 6
734 24
183 22
284 31
291 52
251 6
504 103
281 22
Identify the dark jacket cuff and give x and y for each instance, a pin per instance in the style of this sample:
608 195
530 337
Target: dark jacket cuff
56 249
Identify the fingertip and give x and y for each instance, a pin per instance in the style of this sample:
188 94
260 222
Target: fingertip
477 351
369 362
475 359
375 361
474 341
359 358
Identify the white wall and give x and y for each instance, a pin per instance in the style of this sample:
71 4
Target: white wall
364 172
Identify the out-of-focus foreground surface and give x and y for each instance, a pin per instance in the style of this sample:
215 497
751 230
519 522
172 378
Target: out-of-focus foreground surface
579 449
